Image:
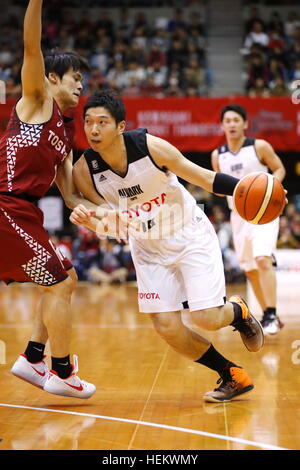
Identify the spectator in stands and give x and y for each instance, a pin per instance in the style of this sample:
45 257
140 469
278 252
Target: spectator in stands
257 68
96 80
254 17
278 87
104 23
177 21
285 238
256 36
151 89
85 248
194 77
275 24
295 228
276 69
290 24
159 74
275 39
161 39
194 22
124 41
135 71
259 90
156 55
107 264
116 76
176 53
133 88
12 89
175 76
295 71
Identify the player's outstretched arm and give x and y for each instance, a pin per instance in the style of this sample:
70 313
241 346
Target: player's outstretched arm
34 82
168 156
68 190
215 164
269 158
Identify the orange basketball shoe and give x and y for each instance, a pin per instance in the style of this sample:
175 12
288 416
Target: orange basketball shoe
238 383
249 328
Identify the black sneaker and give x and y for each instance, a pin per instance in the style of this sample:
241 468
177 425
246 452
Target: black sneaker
249 328
238 383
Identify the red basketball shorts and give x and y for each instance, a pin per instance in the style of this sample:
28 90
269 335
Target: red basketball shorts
26 253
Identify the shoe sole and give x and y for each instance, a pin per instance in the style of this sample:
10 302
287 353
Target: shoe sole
242 301
28 381
67 395
262 333
210 399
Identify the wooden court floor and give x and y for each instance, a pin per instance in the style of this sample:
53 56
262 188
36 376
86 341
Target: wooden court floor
148 397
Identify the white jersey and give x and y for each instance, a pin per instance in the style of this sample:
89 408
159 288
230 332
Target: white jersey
250 241
240 164
176 252
151 195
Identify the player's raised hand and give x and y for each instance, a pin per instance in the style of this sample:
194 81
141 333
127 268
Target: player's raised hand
81 215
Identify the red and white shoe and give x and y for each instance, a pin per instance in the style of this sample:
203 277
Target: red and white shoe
72 386
36 374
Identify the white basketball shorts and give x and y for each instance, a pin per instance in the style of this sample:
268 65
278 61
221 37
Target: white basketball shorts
251 241
185 271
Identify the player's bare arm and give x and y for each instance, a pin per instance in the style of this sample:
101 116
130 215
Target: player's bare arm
269 158
67 188
90 204
36 103
168 156
215 164
93 208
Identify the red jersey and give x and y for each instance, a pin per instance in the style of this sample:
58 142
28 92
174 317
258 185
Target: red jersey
29 157
31 153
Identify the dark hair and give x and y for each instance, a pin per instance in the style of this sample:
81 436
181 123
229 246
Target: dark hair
109 100
236 108
61 62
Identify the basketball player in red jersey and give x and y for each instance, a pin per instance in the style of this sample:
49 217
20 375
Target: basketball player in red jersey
254 244
35 151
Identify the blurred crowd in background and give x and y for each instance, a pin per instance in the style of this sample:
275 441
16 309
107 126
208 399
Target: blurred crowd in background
167 57
132 55
272 53
163 58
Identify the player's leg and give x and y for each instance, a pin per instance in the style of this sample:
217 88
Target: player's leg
39 332
202 272
187 342
234 380
57 317
267 277
255 281
263 246
270 321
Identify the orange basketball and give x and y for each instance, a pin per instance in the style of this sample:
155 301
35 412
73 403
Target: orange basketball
259 198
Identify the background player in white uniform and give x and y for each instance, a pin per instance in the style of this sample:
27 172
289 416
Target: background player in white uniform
174 246
254 244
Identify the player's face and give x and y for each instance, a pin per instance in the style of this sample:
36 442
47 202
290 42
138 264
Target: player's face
233 125
70 88
101 129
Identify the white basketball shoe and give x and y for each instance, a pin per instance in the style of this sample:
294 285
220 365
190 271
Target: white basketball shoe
36 374
72 386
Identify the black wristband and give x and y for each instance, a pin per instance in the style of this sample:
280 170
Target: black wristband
224 184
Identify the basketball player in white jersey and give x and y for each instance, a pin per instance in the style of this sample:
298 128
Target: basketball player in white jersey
174 246
254 244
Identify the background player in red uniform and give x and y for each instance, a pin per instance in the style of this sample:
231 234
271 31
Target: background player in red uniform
35 151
